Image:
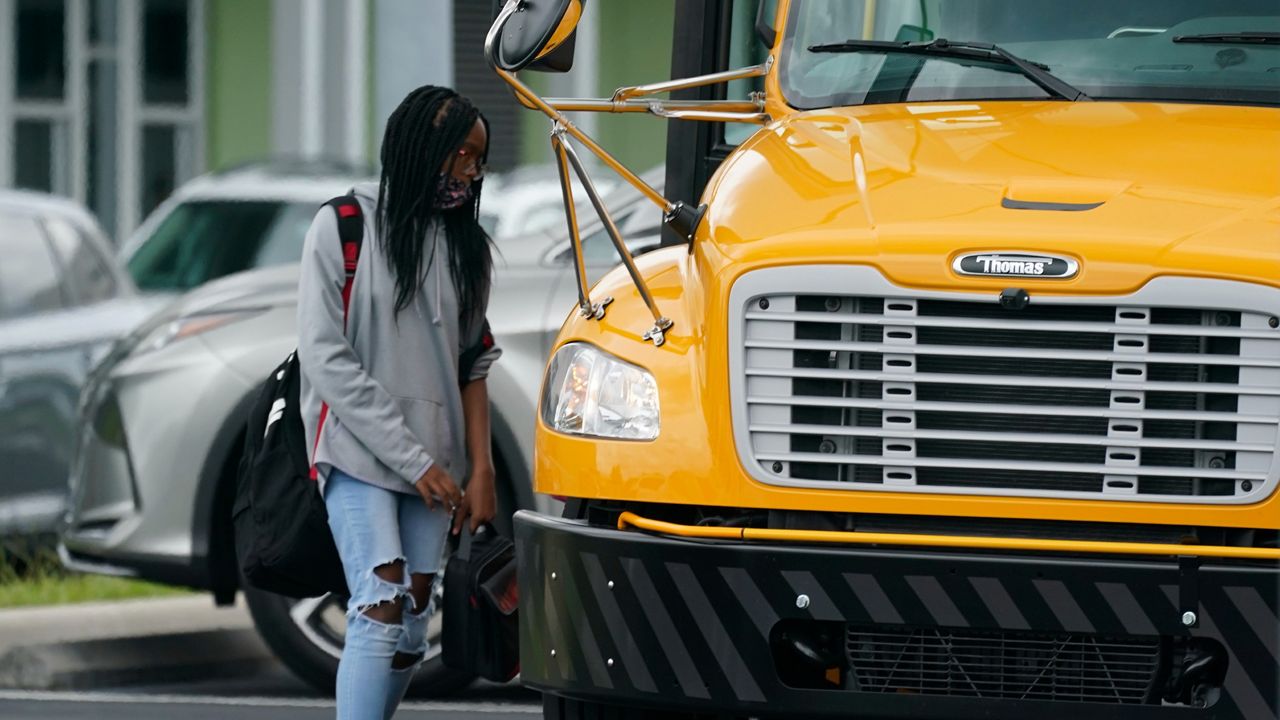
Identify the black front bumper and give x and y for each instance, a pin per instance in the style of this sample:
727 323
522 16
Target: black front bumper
624 617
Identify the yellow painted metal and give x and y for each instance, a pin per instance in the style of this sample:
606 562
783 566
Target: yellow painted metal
960 542
869 20
935 175
1187 191
572 15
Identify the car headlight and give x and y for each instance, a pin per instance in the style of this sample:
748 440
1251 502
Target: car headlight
187 326
590 392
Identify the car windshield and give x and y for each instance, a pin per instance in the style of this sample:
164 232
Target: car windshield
1224 51
205 239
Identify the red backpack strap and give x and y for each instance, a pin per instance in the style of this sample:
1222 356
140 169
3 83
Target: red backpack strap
351 235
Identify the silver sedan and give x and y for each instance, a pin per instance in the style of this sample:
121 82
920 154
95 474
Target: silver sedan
163 419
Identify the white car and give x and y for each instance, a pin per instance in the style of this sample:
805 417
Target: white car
164 418
63 301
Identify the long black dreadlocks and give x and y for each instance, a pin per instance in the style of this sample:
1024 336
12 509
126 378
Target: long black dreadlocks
422 136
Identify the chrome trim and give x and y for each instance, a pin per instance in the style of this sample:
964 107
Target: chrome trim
1073 266
763 373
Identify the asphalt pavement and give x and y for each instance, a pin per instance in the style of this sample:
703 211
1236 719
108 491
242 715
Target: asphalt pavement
89 662
40 705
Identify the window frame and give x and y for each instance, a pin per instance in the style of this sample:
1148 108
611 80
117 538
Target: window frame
133 114
65 296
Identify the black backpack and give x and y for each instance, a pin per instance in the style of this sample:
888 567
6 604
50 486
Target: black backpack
282 536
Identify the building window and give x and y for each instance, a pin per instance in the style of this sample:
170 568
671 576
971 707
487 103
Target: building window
103 101
164 58
41 60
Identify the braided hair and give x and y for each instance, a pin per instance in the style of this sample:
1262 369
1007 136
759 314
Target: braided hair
422 138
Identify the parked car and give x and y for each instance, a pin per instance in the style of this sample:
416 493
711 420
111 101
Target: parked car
246 217
63 300
163 421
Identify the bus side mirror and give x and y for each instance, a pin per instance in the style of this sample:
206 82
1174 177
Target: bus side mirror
537 34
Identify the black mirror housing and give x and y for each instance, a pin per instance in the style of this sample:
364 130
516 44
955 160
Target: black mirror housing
534 37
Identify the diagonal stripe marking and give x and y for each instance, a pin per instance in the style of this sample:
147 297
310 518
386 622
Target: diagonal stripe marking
1255 611
586 636
632 662
739 675
1243 691
804 583
1127 608
1064 606
672 646
753 601
998 602
936 601
872 597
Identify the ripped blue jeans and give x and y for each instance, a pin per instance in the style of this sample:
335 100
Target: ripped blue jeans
374 527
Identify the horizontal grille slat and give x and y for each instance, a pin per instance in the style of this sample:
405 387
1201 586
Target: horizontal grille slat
921 378
1027 467
1120 413
1066 398
1051 354
1004 323
843 431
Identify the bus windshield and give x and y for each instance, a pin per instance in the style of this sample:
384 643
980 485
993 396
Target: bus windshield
1224 51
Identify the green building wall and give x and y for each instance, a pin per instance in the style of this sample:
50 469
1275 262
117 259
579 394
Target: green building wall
635 49
238 102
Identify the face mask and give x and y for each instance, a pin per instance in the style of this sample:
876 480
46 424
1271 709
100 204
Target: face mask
452 192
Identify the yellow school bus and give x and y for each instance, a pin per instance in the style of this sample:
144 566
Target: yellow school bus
954 392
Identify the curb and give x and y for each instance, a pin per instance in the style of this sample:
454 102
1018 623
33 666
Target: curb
96 645
205 655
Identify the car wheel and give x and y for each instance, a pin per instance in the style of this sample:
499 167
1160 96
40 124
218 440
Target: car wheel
307 634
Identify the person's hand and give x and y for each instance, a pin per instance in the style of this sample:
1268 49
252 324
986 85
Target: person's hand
479 503
435 486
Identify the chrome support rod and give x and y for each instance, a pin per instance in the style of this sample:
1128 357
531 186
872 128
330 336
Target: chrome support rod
635 91
661 324
710 110
643 105
588 309
529 97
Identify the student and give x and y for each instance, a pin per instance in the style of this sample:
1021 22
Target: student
401 427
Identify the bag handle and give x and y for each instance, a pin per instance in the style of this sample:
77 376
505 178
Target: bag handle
461 542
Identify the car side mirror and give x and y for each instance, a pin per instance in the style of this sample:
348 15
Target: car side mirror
537 34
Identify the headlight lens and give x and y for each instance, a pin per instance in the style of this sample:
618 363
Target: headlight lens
177 329
590 392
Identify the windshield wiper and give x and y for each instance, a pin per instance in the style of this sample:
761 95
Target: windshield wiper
1236 38
1035 72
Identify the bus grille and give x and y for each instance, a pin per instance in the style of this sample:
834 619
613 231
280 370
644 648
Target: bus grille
924 394
1007 666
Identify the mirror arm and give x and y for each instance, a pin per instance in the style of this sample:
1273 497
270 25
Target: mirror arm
657 333
711 110
586 308
635 91
529 97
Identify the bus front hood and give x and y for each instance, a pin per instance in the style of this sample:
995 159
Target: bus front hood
1130 190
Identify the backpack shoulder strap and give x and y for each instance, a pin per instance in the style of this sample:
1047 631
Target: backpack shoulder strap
351 235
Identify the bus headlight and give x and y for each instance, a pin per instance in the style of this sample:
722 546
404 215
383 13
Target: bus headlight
590 392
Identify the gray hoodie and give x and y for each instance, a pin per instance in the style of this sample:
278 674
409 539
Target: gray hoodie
395 406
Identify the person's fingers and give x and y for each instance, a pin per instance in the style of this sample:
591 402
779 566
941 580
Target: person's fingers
460 517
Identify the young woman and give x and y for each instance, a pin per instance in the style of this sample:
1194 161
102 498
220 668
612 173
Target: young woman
402 427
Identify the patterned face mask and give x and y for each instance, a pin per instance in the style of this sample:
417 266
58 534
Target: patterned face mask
452 192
